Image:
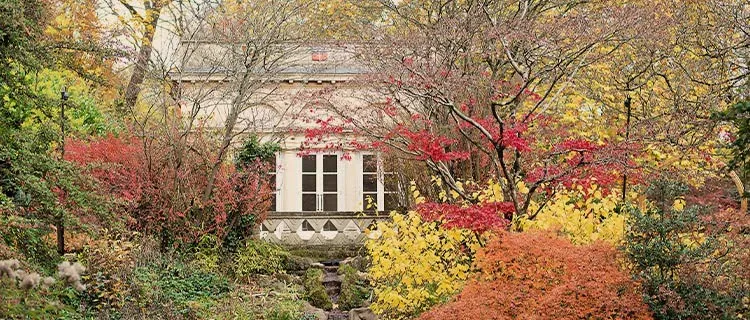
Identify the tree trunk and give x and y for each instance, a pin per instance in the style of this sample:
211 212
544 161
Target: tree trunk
627 136
141 64
60 234
226 142
60 219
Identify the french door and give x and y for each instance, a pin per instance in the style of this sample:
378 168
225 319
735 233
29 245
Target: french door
320 182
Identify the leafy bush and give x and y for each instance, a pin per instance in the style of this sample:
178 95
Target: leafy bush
27 237
239 232
740 144
110 264
315 292
691 263
417 264
30 295
207 253
353 290
583 216
179 284
244 302
160 194
47 303
541 276
258 257
252 149
285 310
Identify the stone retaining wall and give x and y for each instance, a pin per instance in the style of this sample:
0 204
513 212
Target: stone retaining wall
318 229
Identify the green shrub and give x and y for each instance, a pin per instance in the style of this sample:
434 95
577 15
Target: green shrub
353 290
207 252
27 237
179 284
25 294
284 310
110 263
687 261
252 149
240 232
315 292
49 303
258 257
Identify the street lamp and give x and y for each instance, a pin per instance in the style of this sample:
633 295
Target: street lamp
60 219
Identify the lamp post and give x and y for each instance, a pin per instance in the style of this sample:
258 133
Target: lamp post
60 218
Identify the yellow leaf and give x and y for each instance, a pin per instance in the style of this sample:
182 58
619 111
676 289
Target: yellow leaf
678 205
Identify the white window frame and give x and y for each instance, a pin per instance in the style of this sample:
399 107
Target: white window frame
319 179
380 182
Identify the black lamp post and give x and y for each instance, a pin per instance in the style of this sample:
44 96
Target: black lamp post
60 219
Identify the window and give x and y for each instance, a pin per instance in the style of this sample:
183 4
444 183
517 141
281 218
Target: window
309 183
305 231
369 182
379 189
390 194
329 226
320 182
272 184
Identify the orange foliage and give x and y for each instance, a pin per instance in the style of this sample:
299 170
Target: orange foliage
540 276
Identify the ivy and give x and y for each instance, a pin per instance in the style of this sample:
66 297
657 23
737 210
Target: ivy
252 149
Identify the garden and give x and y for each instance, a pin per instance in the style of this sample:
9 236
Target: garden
551 159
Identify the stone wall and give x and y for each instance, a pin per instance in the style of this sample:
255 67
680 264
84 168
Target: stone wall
318 229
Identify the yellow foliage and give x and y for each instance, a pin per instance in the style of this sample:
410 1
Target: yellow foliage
678 205
581 218
417 264
492 193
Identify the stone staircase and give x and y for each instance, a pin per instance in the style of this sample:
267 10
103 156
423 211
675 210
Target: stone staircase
332 283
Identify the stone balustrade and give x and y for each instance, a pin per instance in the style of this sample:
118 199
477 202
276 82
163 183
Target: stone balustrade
318 229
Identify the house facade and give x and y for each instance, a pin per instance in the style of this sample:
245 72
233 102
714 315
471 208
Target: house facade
327 193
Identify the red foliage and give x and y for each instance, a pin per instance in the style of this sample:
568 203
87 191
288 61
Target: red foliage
114 161
163 193
715 192
478 218
430 146
540 276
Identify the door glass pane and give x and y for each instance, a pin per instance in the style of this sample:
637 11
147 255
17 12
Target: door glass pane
273 203
308 202
369 163
329 202
390 182
330 183
391 201
370 182
308 182
308 163
329 163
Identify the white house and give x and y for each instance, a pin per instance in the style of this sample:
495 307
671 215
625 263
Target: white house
323 196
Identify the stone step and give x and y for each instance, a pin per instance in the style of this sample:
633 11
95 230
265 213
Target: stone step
338 315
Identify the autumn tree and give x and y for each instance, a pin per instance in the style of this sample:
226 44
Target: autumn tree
212 83
468 88
663 85
222 74
140 19
164 204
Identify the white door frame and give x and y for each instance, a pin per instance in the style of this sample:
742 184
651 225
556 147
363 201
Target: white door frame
320 175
